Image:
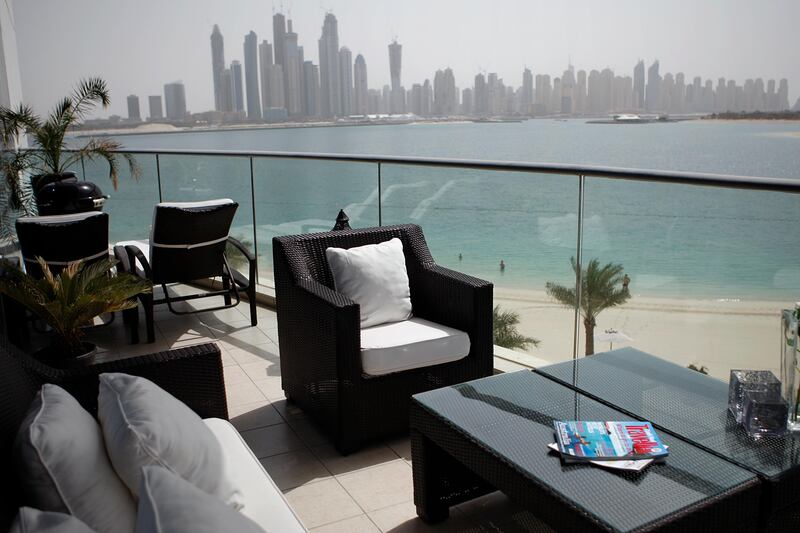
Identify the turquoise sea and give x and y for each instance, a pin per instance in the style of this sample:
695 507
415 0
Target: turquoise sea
674 241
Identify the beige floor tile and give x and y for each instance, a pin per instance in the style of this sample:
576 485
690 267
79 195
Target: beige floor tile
262 369
357 524
254 354
271 387
292 469
272 440
231 344
340 464
228 360
243 393
402 518
247 335
322 503
380 486
401 447
309 432
254 415
234 375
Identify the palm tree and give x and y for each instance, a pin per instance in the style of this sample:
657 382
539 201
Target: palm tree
504 330
601 288
47 157
70 300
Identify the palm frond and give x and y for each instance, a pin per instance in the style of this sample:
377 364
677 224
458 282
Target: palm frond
505 333
101 149
88 93
15 122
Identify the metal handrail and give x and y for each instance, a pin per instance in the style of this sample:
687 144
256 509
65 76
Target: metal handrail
657 176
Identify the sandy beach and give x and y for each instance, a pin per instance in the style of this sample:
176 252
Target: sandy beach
717 334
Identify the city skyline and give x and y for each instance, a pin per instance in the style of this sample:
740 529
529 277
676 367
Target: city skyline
201 97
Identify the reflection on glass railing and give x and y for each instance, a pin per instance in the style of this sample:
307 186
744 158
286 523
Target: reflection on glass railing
708 269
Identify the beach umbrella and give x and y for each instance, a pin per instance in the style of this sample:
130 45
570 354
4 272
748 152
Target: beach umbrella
611 336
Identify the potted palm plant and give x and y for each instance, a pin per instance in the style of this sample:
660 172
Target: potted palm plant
70 300
48 161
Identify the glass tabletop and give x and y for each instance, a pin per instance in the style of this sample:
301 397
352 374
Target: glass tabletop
679 400
511 417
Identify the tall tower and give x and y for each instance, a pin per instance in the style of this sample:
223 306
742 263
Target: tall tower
360 85
395 65
526 98
292 72
330 86
265 62
217 66
638 85
653 91
311 87
156 109
251 76
133 108
278 36
346 78
580 93
237 90
175 98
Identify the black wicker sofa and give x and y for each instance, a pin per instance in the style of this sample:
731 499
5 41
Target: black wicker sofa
192 374
320 336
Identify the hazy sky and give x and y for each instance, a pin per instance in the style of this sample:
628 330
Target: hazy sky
137 46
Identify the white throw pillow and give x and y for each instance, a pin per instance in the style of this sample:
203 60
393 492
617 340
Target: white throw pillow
31 520
374 276
169 504
63 467
145 425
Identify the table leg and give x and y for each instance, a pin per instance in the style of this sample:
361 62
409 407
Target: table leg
429 478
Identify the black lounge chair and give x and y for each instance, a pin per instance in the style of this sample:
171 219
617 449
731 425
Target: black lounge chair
62 239
187 243
321 337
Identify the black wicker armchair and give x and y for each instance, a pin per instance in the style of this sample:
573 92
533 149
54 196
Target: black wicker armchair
320 336
192 374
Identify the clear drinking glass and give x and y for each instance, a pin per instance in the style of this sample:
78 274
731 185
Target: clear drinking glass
742 381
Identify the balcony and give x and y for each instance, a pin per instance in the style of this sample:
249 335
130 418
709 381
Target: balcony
711 261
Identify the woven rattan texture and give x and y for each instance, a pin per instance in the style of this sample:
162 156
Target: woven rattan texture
192 374
498 429
320 336
691 405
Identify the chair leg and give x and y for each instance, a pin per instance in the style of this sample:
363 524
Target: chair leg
226 286
147 303
251 297
131 318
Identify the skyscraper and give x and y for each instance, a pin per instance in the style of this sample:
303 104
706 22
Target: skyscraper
346 79
783 95
175 98
217 66
278 36
226 89
265 62
526 98
237 89
292 73
652 95
395 66
360 86
156 110
133 108
580 93
276 96
330 86
311 87
638 85
480 105
251 76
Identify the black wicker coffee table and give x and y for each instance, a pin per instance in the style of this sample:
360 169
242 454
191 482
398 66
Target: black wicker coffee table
492 434
694 407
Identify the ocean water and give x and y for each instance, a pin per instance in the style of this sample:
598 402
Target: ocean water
673 241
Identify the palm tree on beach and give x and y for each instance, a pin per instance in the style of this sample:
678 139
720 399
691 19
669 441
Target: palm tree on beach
601 287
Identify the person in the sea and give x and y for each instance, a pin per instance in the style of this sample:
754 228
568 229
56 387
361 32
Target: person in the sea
502 265
460 257
626 280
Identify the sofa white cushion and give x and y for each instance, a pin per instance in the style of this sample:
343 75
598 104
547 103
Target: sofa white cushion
263 501
30 520
145 425
63 467
374 276
413 343
170 504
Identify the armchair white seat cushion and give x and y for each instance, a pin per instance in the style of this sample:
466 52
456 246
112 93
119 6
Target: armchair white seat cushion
263 501
413 343
30 520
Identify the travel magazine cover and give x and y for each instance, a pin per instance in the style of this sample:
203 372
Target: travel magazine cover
580 441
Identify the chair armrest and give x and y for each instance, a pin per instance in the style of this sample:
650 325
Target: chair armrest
241 247
251 262
128 255
321 326
452 299
193 374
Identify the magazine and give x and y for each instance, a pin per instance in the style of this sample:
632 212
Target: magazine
623 464
580 441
